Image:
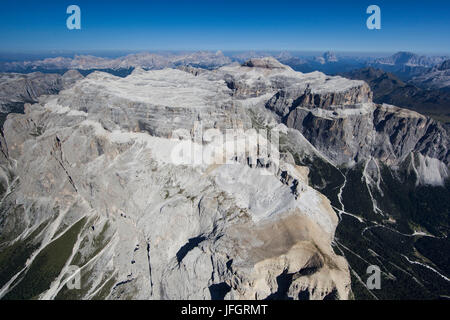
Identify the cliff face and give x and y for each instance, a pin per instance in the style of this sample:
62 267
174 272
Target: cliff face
285 101
89 180
17 89
389 89
383 132
347 127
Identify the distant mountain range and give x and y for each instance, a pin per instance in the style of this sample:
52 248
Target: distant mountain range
144 60
407 65
411 59
437 78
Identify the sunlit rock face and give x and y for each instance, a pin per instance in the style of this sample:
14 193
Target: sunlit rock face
89 180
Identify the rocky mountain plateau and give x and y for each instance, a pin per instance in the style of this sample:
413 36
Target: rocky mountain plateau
88 179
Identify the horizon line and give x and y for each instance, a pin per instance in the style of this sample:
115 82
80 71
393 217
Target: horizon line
273 50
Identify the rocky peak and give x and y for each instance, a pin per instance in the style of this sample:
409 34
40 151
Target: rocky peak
445 65
330 57
266 63
404 58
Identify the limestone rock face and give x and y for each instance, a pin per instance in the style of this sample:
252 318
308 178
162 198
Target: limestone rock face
162 231
90 179
339 118
383 132
17 89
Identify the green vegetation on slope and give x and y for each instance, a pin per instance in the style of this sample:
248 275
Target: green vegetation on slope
47 265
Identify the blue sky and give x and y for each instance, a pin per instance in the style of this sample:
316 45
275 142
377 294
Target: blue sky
419 26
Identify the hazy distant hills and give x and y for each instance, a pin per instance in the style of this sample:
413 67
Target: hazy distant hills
328 62
407 65
411 59
143 60
404 65
437 78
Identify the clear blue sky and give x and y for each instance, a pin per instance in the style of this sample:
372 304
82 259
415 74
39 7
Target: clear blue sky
40 25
